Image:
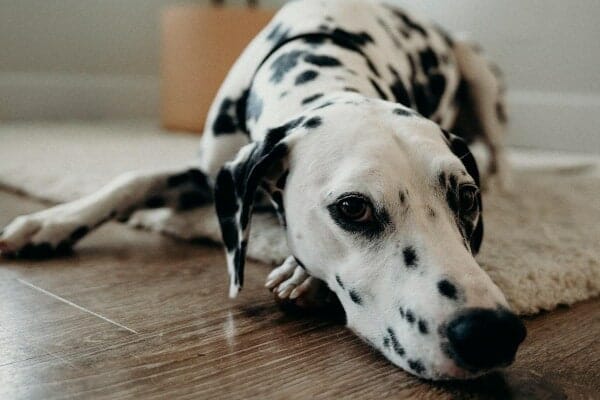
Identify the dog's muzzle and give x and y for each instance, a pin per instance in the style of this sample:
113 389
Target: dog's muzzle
482 339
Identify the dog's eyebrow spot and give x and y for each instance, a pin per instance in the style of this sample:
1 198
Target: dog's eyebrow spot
395 344
410 257
306 76
447 289
355 297
339 281
312 123
416 366
423 327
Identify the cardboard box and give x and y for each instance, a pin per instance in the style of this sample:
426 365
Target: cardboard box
199 45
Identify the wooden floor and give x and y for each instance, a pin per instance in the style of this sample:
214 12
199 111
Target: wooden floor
135 315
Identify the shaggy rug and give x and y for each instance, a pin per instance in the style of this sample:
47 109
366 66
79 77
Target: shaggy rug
541 244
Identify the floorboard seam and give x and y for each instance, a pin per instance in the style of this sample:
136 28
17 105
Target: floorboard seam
39 289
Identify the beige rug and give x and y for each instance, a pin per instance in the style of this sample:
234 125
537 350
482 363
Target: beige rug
542 243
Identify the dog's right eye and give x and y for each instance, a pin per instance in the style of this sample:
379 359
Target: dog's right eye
355 208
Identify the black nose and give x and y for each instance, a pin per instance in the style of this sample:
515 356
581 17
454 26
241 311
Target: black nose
483 338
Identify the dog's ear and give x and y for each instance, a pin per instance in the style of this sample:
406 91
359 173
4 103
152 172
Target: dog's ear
259 164
460 149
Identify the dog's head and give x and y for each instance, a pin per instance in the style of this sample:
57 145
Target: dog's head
384 206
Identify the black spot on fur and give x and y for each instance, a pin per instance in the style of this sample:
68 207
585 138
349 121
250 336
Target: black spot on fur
428 59
36 251
447 289
64 247
372 67
312 98
350 40
274 135
401 312
305 77
423 327
339 281
312 123
350 89
377 88
224 122
278 33
355 297
389 32
416 366
79 233
283 64
409 23
437 86
324 105
403 112
155 202
240 110
386 342
314 40
322 61
410 317
254 106
398 89
395 344
192 199
410 257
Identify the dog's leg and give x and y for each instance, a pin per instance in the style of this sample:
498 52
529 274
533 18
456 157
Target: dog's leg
57 229
482 108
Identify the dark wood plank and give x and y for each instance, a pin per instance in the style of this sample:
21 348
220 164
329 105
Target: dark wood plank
132 314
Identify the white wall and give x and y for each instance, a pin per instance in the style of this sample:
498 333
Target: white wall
99 59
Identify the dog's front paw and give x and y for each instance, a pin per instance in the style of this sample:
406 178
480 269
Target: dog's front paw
292 285
37 236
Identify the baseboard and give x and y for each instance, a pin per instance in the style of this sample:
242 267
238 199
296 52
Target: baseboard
47 96
555 121
545 120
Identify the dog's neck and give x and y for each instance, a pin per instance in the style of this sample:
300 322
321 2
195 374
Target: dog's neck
297 78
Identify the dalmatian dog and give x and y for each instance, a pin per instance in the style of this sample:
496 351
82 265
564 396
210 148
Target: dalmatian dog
339 114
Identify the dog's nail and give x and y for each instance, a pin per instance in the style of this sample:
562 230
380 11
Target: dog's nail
295 293
270 284
285 291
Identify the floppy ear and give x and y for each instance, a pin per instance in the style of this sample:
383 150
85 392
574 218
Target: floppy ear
459 147
259 164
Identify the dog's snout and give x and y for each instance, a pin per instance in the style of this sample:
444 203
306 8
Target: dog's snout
482 339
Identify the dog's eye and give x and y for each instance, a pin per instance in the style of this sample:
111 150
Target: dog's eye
355 208
468 197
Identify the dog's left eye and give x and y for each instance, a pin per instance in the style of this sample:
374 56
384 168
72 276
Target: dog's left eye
468 197
355 208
